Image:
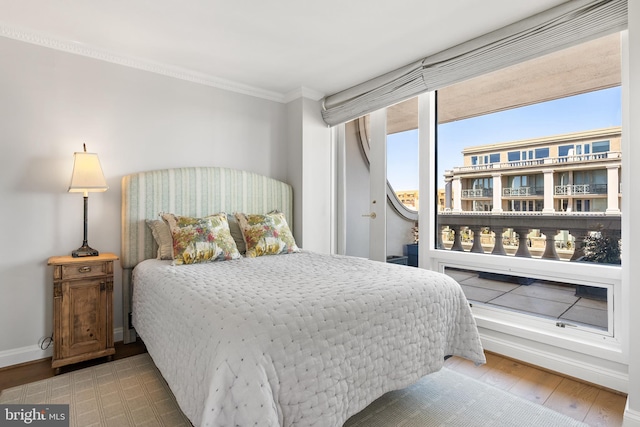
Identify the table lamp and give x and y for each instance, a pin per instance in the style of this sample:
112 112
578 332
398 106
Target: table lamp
86 177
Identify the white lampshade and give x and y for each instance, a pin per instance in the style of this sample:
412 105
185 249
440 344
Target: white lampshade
87 174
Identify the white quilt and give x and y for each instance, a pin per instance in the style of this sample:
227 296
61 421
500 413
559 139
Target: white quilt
296 340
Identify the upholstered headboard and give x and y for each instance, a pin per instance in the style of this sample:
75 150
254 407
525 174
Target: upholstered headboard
195 191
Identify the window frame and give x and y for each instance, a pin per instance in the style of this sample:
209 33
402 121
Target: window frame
589 342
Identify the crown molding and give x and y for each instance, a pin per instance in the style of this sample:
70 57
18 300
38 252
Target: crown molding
76 48
303 92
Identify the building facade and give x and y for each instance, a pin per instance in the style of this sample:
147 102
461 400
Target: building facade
575 172
409 198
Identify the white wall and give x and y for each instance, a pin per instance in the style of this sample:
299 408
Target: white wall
50 103
317 178
311 173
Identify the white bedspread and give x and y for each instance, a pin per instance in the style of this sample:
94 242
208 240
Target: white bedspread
296 340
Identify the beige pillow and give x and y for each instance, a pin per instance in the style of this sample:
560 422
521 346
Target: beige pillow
236 233
162 236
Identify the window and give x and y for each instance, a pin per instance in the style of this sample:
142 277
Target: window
542 153
547 145
525 185
482 183
600 147
565 150
463 151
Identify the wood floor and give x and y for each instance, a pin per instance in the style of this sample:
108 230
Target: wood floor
590 404
593 405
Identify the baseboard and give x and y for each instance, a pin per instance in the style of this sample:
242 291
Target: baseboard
631 418
30 353
572 367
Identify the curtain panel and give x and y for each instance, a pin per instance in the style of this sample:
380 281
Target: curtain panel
563 26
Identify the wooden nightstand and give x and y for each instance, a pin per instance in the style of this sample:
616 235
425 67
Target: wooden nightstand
82 308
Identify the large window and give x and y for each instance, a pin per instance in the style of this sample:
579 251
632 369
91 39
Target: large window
562 171
549 164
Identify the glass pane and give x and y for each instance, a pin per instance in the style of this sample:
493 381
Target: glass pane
600 147
569 304
550 176
402 166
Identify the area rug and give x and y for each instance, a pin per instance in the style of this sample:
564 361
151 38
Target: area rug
131 392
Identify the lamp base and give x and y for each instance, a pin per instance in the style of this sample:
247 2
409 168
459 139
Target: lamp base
83 251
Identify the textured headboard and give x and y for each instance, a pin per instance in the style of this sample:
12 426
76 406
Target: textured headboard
195 191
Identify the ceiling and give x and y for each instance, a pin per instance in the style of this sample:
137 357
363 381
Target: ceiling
273 48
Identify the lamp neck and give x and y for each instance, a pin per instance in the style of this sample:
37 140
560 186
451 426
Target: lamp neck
86 223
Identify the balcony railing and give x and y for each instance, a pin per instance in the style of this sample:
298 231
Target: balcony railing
584 158
477 193
558 236
522 191
568 190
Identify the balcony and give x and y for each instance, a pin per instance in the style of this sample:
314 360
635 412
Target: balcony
477 193
522 191
578 189
557 236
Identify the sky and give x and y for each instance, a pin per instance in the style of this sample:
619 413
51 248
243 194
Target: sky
588 111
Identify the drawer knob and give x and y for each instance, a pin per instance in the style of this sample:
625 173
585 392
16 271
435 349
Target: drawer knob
85 269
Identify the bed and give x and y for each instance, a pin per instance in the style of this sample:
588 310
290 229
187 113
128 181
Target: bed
298 339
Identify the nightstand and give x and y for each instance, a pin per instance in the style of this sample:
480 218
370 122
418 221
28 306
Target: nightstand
82 308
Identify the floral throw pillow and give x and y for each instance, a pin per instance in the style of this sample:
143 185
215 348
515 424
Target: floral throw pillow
198 240
266 234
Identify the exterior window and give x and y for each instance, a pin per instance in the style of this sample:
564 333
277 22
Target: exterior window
542 153
565 150
583 206
521 186
494 158
600 147
514 156
482 206
482 183
474 160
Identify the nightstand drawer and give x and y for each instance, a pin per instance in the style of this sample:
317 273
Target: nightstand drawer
86 270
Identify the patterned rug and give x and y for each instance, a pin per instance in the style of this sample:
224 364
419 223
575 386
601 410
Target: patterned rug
131 392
